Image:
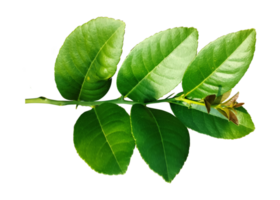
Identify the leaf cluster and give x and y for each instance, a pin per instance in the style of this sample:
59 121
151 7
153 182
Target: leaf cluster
225 104
105 136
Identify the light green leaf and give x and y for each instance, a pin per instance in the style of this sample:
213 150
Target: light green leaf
102 138
162 140
88 59
220 65
157 65
213 124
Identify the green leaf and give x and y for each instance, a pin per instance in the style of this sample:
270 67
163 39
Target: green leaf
156 65
220 65
213 124
88 59
162 140
102 138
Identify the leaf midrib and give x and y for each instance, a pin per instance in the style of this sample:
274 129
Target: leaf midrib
161 141
100 124
215 69
91 64
126 96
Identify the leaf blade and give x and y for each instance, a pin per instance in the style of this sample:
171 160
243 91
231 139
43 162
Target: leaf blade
102 138
161 139
220 65
156 65
88 59
214 124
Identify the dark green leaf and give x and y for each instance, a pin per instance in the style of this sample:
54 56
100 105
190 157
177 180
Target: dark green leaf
102 137
163 141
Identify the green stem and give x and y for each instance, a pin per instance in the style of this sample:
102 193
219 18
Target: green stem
115 101
89 103
181 98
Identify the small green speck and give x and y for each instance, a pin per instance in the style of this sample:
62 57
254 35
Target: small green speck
53 50
30 87
24 69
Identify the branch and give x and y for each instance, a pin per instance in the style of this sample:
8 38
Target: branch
88 103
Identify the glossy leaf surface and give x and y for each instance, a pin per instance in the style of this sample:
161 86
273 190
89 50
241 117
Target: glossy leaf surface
162 140
102 138
157 65
214 124
88 59
220 65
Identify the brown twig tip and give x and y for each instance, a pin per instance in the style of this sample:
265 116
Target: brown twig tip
238 105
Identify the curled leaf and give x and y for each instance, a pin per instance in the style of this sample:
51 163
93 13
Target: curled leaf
228 101
226 111
229 113
238 105
233 118
209 101
232 100
222 98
